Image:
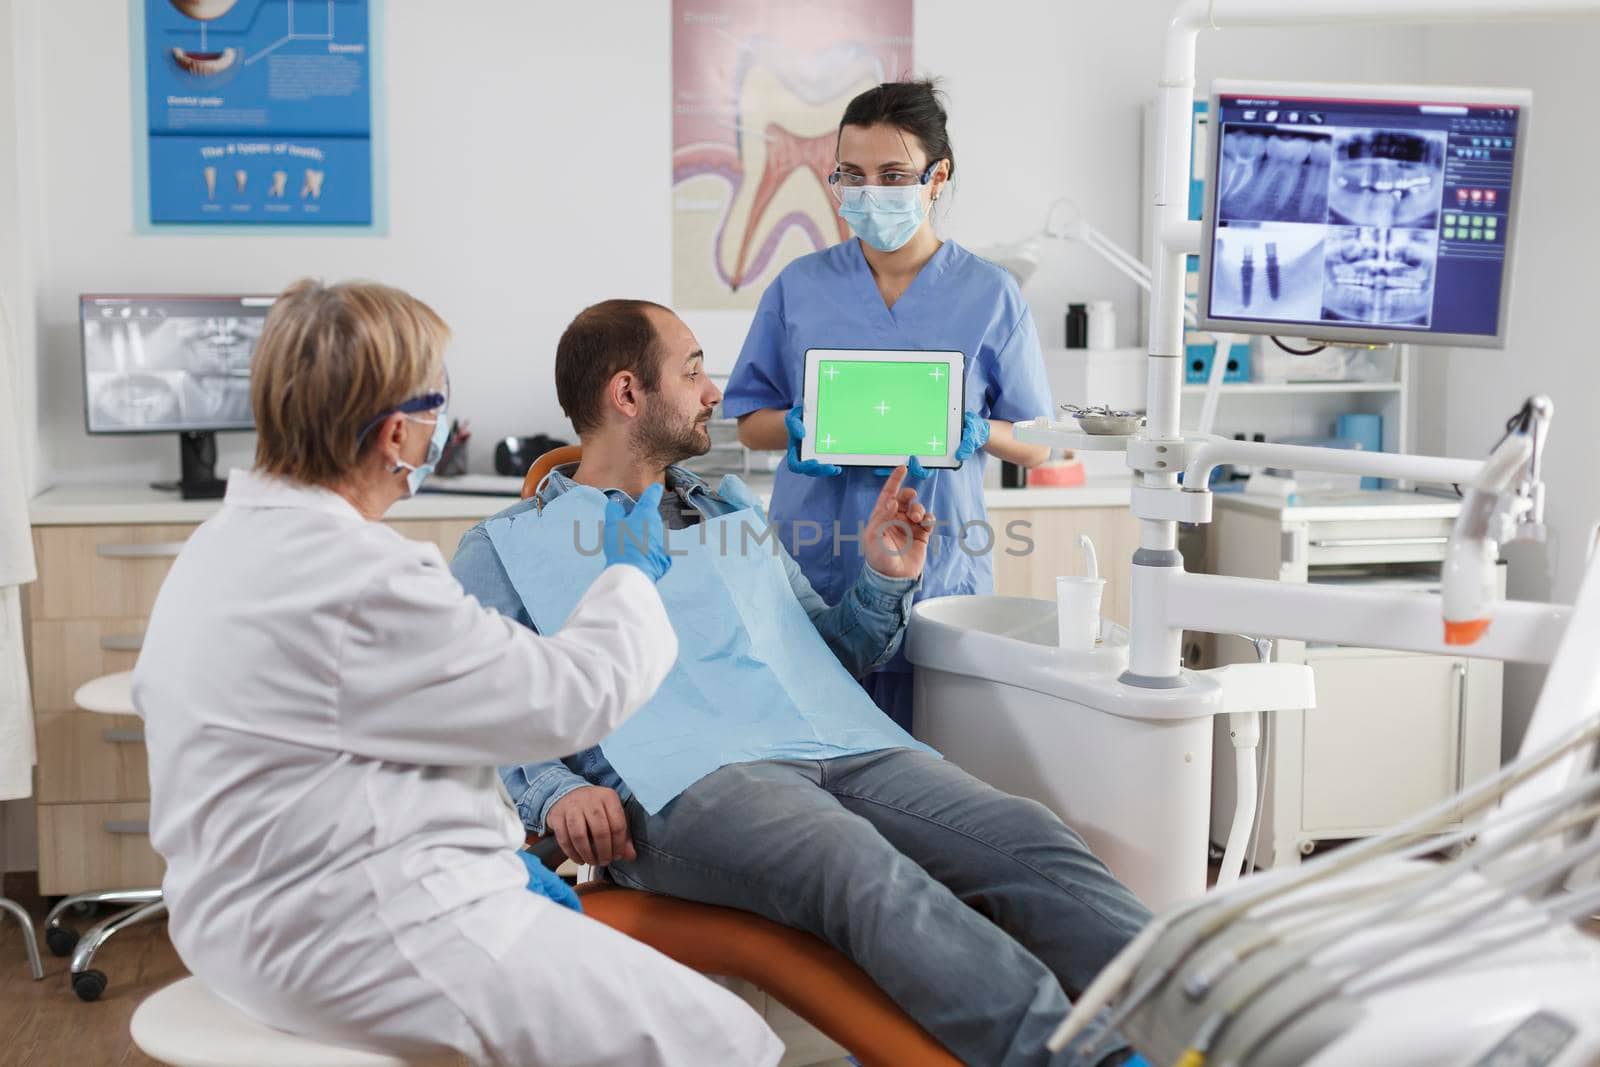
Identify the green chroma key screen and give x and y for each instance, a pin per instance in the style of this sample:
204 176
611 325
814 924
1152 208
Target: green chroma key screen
871 408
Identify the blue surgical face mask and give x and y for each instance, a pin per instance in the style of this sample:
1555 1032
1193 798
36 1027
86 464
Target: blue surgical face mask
885 217
415 476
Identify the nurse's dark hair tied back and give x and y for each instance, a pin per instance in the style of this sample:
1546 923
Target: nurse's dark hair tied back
914 107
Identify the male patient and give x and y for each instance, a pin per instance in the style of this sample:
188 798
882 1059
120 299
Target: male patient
761 776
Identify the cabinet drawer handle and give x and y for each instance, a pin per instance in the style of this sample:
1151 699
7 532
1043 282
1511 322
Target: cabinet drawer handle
127 826
122 642
131 736
159 550
1378 542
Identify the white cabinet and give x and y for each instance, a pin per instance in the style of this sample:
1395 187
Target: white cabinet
1393 733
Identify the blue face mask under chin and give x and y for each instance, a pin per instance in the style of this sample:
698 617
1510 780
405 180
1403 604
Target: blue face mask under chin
884 217
415 476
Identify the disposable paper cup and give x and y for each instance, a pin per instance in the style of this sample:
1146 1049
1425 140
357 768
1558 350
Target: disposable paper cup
1078 612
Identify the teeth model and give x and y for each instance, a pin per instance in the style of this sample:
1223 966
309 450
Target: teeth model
280 180
205 63
240 179
312 186
211 182
205 10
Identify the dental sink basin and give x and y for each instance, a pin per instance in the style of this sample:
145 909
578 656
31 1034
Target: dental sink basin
1128 768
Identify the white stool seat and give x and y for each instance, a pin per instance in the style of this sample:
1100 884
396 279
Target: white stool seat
186 1025
109 694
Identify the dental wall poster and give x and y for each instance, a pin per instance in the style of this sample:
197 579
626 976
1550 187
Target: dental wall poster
758 87
258 112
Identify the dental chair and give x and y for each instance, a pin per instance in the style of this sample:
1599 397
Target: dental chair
794 968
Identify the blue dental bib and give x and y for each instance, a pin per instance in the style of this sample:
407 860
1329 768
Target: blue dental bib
754 680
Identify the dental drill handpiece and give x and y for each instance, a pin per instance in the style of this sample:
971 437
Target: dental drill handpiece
1247 273
1272 269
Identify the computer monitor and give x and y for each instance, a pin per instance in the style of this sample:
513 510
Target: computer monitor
171 364
1362 214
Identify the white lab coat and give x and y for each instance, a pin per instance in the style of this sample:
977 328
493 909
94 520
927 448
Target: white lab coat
323 706
16 570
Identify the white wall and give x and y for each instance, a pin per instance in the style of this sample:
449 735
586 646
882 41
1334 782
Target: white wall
527 173
1469 394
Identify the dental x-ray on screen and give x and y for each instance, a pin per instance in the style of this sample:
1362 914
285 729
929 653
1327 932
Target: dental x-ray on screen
1348 213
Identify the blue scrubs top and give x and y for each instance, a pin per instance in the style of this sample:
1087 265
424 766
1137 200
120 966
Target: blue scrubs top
959 302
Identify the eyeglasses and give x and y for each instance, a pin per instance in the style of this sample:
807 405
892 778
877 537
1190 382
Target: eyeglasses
842 179
409 408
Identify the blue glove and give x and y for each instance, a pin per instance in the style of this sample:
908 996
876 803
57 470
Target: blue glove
915 471
795 422
638 537
974 435
548 883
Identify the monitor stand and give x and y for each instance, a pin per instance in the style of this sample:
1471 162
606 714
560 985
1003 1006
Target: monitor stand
197 452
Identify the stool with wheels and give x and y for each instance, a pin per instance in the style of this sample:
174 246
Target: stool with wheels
110 694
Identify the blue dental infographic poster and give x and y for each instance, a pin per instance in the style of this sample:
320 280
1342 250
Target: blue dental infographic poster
259 112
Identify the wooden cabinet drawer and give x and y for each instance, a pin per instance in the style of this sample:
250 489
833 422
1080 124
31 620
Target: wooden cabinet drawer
67 653
85 758
101 572
84 847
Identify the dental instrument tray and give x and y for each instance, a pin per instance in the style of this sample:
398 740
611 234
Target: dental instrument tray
1103 421
874 408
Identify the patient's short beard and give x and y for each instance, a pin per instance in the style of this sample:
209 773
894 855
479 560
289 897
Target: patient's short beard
660 438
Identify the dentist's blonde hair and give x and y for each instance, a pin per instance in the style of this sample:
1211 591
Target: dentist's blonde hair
330 359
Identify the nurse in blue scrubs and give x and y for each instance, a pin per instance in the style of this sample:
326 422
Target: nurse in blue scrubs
895 285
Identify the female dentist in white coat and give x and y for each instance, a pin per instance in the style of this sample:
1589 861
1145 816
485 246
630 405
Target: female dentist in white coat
324 708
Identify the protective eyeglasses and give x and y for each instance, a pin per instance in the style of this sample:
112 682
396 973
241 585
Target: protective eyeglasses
409 408
841 179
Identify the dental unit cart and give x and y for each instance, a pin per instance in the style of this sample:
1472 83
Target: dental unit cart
1393 733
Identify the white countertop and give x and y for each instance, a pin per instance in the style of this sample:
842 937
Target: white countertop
1345 505
97 505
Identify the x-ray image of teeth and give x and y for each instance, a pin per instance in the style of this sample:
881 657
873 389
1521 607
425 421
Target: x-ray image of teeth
1387 178
1380 276
1267 271
1274 175
175 371
280 181
312 186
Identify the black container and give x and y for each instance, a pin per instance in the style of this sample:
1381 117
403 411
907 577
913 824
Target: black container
1013 476
1077 325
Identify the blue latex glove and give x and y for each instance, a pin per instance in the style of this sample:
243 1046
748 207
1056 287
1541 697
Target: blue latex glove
915 471
548 883
638 537
811 468
974 435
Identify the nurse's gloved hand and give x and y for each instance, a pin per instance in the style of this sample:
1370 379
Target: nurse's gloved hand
915 471
974 435
638 537
811 468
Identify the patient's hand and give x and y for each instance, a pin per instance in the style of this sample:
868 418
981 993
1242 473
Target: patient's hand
591 827
896 543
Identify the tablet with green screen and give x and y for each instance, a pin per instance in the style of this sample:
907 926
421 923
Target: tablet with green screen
874 408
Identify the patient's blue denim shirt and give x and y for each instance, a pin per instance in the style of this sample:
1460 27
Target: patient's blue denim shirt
863 630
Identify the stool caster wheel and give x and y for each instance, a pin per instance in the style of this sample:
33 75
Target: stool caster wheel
61 940
89 985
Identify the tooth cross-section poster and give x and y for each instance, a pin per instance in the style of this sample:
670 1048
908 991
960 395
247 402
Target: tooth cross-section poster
259 112
758 88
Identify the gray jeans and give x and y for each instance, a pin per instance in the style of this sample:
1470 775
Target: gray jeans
973 909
